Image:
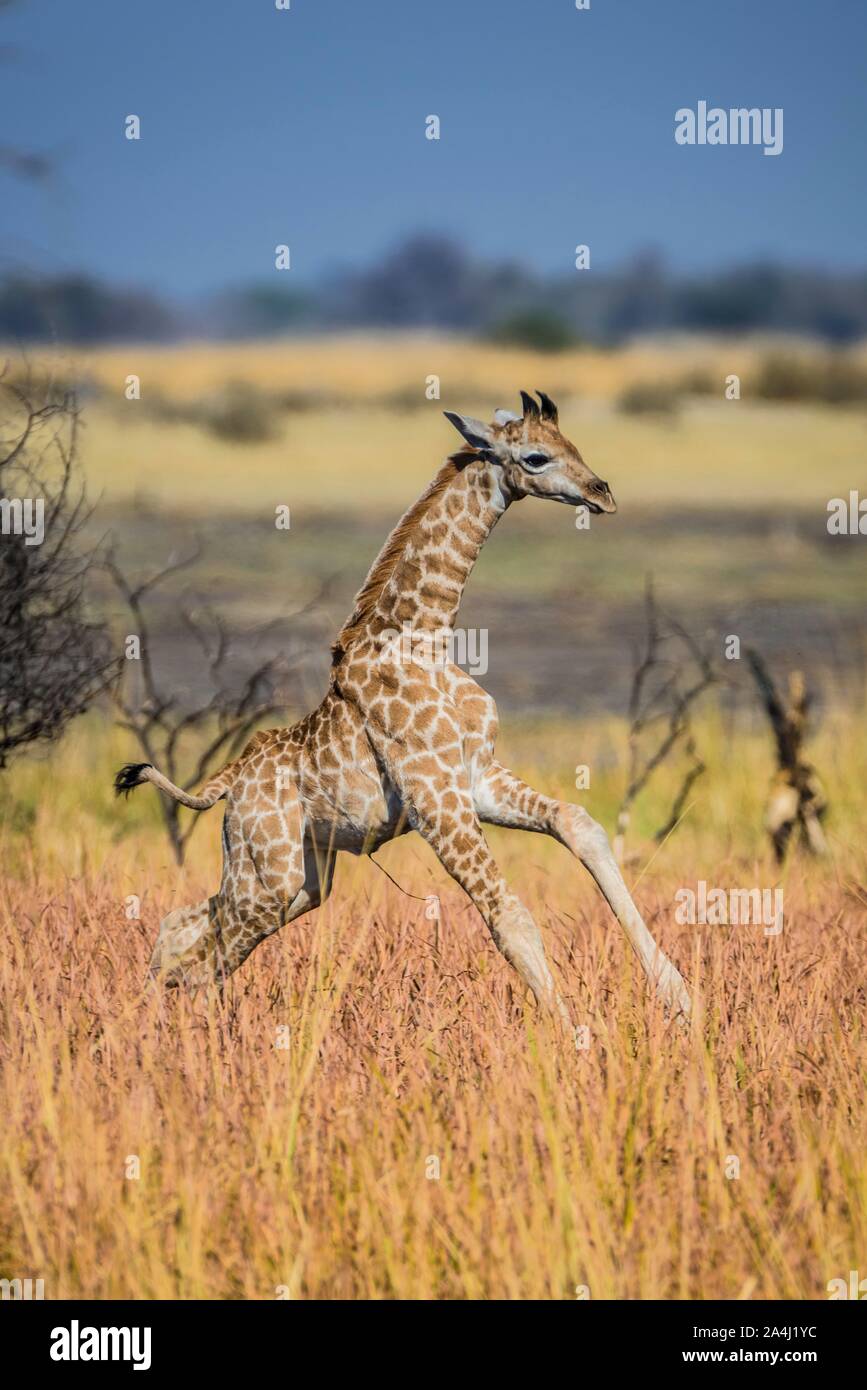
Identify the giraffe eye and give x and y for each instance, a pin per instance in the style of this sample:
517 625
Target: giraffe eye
535 460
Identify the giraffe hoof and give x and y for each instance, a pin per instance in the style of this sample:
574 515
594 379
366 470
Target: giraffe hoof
672 992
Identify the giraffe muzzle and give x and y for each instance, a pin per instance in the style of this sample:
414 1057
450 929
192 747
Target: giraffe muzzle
601 500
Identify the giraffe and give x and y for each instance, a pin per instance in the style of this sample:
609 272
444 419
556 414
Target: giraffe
403 741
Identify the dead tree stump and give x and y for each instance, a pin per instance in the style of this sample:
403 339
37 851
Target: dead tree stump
796 799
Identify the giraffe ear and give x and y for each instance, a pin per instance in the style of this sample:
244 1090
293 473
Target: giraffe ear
477 434
504 417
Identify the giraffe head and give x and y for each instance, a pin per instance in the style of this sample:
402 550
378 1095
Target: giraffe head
534 458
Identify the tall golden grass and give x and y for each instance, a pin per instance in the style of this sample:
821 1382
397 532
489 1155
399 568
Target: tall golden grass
423 1133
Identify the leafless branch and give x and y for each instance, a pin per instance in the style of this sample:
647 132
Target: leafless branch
188 742
664 690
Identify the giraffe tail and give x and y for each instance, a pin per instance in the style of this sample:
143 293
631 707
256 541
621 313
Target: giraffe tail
133 775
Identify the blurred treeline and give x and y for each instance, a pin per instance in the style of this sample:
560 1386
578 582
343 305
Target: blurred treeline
431 282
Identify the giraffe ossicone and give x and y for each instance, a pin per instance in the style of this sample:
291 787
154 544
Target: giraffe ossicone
400 744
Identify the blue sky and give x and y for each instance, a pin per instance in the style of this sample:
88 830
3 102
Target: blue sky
307 127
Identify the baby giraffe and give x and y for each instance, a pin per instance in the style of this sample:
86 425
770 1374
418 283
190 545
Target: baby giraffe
403 740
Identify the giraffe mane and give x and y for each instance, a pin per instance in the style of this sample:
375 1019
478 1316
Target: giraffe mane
384 565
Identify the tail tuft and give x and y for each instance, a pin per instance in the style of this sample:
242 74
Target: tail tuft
129 777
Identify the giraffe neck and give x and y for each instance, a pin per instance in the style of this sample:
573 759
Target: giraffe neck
419 576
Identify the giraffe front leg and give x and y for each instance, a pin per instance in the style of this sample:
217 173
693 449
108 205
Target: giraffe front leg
503 799
452 829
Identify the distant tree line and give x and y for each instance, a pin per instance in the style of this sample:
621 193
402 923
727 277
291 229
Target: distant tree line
429 281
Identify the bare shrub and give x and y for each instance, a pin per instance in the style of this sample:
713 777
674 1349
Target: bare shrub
835 379
239 413
649 398
54 658
670 676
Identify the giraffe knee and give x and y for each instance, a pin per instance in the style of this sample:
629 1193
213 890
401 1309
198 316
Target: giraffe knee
514 923
580 832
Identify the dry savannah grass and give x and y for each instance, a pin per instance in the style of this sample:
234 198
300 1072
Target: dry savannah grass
373 1112
355 429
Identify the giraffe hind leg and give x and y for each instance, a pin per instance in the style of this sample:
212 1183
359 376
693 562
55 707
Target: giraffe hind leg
185 949
271 875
